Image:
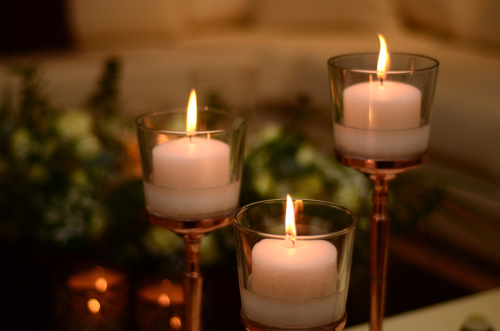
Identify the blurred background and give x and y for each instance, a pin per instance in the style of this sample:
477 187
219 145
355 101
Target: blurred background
74 74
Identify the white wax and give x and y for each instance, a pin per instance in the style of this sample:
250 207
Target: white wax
304 273
381 144
194 162
192 203
191 179
293 313
391 106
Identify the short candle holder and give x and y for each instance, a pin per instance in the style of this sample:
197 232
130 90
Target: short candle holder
191 182
381 128
294 282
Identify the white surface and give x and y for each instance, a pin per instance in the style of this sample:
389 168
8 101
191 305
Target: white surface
447 316
304 270
381 144
391 106
292 283
191 163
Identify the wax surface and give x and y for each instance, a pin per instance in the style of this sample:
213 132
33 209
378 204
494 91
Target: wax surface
379 144
191 180
192 203
293 313
191 163
304 270
391 106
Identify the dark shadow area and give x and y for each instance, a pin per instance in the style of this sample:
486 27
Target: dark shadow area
30 25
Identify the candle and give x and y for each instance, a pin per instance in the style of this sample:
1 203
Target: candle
160 303
191 176
382 106
293 282
381 118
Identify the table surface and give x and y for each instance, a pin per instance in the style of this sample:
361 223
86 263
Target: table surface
445 316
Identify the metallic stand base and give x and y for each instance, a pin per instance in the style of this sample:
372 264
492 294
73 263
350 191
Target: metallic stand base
181 227
192 231
253 326
381 172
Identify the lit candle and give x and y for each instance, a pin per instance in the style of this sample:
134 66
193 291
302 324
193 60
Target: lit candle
191 176
293 282
381 118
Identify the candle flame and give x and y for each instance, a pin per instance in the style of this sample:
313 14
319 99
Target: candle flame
93 306
191 112
290 217
101 284
164 300
383 59
175 323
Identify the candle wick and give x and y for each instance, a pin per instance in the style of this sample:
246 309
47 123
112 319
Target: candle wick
190 140
381 81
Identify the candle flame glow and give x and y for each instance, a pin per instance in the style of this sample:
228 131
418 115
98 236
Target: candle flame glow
383 59
175 323
191 112
290 218
164 300
93 306
101 284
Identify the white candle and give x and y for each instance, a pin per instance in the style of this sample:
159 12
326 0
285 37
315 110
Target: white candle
191 176
191 163
377 106
191 179
293 283
301 270
381 118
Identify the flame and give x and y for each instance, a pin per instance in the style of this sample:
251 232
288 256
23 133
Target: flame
93 306
383 59
290 217
164 300
101 284
175 323
191 112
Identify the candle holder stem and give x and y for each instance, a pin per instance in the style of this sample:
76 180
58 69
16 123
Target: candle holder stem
193 281
379 247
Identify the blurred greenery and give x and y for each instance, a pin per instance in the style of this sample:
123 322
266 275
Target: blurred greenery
71 181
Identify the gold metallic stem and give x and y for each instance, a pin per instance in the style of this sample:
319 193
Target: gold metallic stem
193 281
379 247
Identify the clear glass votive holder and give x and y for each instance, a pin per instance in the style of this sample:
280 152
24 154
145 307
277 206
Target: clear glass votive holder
191 175
382 115
294 283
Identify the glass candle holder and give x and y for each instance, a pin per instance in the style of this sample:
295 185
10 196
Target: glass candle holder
192 182
297 283
382 115
191 175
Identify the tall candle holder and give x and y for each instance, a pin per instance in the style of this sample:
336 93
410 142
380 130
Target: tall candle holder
294 282
191 182
381 128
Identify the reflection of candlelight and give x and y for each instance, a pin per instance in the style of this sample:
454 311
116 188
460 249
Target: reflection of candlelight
96 278
160 305
94 306
159 293
95 299
101 284
175 322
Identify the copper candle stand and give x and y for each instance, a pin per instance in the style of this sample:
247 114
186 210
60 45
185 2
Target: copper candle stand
192 231
380 172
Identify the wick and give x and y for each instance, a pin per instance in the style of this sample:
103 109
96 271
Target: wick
190 140
381 81
293 242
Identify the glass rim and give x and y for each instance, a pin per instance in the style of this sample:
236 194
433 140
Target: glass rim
311 237
220 112
431 67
